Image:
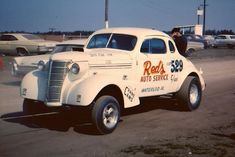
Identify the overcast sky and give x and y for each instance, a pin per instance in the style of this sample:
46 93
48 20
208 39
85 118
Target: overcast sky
72 15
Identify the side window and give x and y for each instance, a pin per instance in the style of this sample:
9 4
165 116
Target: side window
154 46
145 46
171 46
8 38
157 46
5 38
12 38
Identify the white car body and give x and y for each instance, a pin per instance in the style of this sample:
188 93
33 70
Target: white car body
24 44
193 46
122 73
224 41
22 65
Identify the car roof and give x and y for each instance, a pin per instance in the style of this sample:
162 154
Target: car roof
132 31
16 34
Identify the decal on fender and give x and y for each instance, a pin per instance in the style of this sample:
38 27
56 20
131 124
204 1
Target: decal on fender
129 93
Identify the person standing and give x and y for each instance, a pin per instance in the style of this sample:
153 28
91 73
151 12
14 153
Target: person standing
180 41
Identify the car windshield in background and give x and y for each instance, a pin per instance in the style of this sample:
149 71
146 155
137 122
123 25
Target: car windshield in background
117 41
64 48
32 37
232 36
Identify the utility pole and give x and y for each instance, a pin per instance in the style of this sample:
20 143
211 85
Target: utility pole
204 17
106 14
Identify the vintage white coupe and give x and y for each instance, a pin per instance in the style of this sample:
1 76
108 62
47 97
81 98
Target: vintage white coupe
119 66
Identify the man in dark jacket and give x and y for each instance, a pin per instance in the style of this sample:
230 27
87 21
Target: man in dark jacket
180 41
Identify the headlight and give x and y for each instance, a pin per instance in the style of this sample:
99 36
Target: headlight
75 68
41 65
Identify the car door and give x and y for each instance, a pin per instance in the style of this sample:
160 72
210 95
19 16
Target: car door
220 41
153 67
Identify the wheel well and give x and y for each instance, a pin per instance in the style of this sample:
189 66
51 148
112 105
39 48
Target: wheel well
114 91
191 49
195 75
22 48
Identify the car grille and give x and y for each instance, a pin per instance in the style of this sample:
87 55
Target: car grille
58 71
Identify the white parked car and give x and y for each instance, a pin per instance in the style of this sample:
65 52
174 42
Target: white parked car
22 65
224 41
24 44
119 66
193 46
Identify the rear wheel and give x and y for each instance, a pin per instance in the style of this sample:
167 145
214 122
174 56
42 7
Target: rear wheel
189 96
22 52
106 114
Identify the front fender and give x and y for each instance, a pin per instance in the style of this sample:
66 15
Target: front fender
84 92
34 85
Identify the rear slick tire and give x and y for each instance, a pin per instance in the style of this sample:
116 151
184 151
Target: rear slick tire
190 94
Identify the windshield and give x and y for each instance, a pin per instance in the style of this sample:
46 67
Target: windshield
64 48
232 36
117 41
32 37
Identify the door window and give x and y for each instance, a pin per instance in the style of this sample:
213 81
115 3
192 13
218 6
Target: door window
153 46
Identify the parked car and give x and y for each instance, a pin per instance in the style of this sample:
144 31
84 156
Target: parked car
224 41
118 68
24 44
194 46
22 65
196 38
210 39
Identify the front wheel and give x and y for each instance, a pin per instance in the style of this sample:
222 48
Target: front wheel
106 114
189 96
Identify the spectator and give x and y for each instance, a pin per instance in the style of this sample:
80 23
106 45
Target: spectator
180 41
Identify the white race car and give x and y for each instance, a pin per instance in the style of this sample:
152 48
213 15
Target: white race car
119 66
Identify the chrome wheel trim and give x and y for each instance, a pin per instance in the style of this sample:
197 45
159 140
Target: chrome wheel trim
110 116
194 94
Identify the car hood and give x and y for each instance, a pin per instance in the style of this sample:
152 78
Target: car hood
96 56
31 60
